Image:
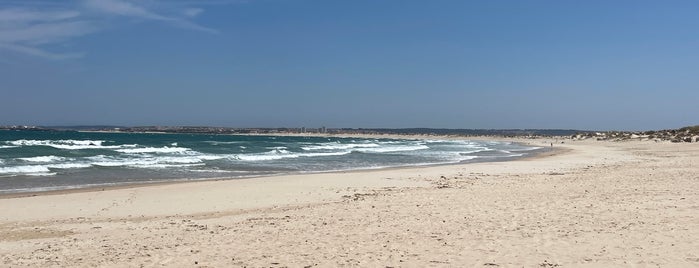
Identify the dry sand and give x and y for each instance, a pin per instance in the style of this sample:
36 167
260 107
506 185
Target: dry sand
594 204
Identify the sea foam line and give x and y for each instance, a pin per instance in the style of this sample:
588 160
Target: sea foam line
27 170
43 159
69 144
336 146
164 149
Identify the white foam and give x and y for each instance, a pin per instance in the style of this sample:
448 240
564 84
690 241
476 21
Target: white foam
210 157
271 155
281 154
389 149
176 160
43 159
69 165
162 166
53 142
261 157
68 144
338 146
7 146
145 162
473 151
26 170
109 161
526 149
326 154
114 163
41 170
280 151
153 150
221 142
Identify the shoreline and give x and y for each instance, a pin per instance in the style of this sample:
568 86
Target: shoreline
545 152
107 187
587 203
370 173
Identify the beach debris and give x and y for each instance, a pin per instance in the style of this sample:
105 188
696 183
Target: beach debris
442 183
190 226
546 263
359 196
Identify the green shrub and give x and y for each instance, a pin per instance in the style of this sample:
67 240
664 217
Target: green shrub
692 129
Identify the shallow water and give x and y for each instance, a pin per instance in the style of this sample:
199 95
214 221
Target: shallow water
51 160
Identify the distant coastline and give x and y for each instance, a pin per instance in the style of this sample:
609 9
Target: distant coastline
685 134
304 130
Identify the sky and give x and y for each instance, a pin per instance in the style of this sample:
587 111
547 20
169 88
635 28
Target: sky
590 65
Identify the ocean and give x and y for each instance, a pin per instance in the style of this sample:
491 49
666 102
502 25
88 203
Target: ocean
35 161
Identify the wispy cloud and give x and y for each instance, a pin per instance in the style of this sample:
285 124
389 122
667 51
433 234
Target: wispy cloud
130 9
123 8
39 52
23 15
192 12
36 30
27 30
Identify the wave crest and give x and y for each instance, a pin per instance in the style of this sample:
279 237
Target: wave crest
164 149
68 144
43 159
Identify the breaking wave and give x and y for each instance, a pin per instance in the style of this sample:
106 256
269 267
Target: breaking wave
45 159
37 170
68 144
108 157
339 146
153 150
26 170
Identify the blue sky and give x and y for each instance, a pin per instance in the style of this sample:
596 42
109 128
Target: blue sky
602 65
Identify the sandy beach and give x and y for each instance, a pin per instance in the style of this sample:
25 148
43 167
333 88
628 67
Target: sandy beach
585 204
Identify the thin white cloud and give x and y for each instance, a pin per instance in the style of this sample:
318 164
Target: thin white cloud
122 8
26 30
130 9
22 15
45 33
40 53
33 29
192 12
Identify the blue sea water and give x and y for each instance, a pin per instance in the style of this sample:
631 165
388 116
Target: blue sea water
32 161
